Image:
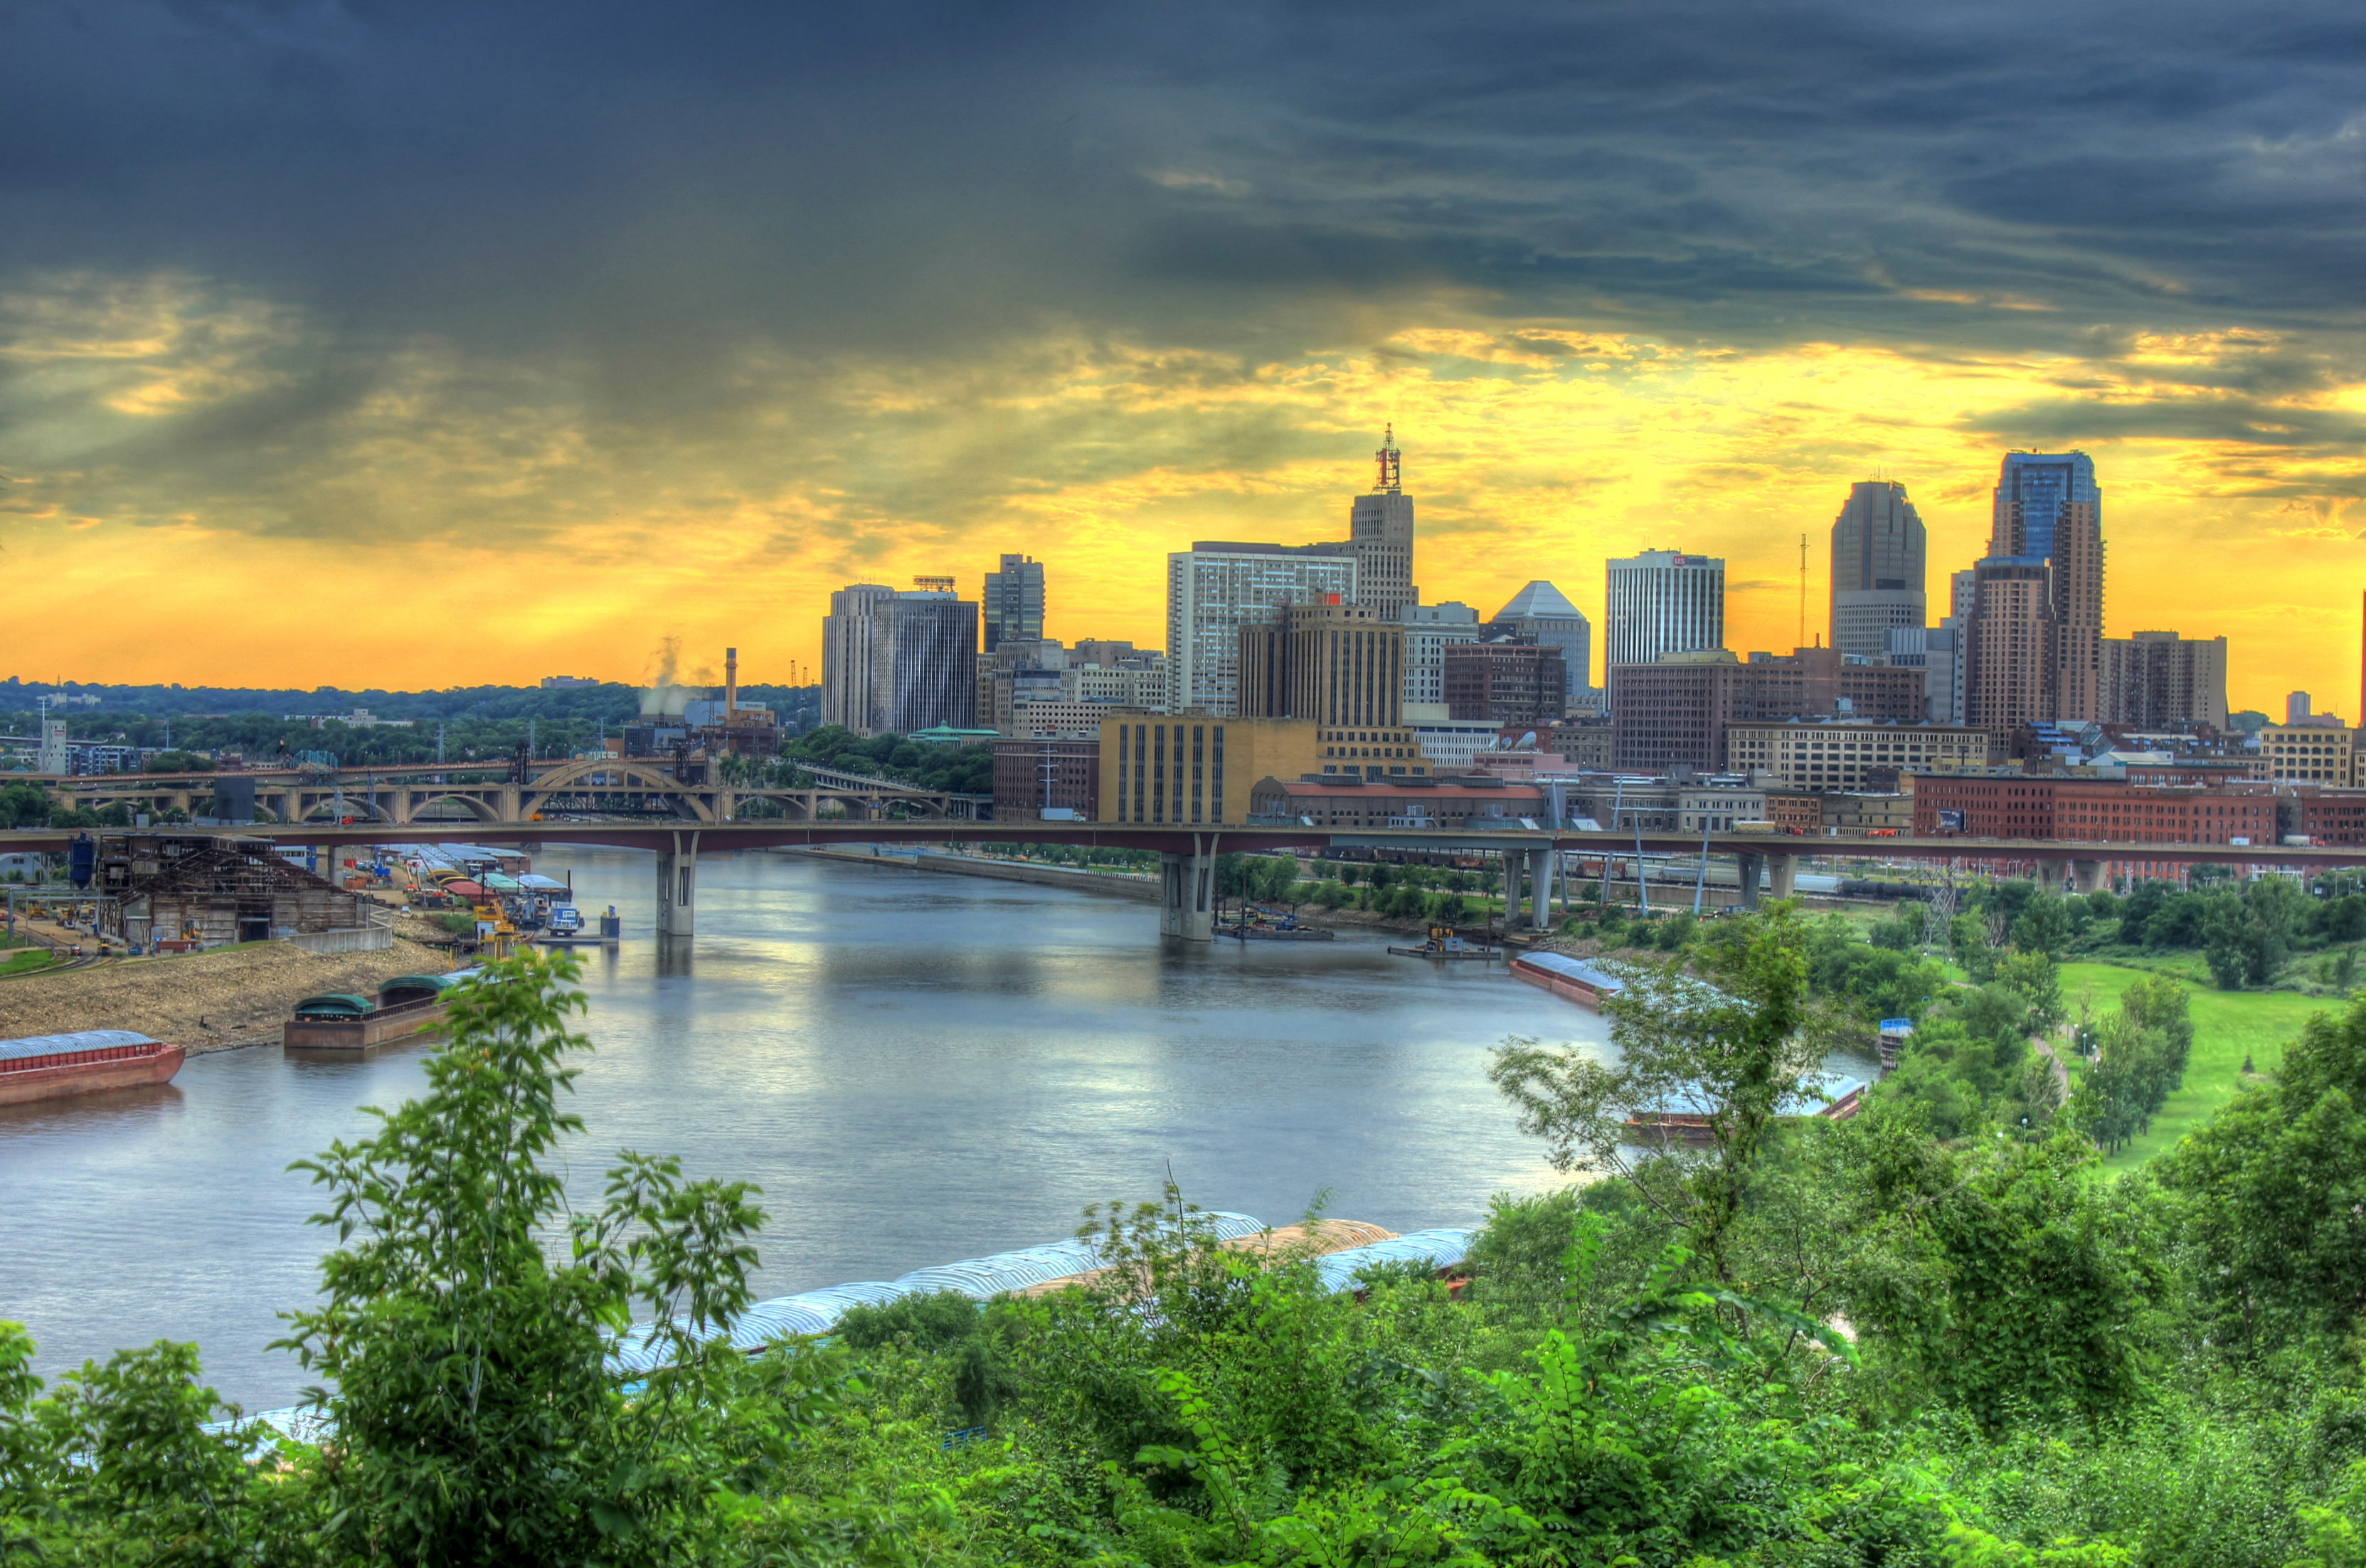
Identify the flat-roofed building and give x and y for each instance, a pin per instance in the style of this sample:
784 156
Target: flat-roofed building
2161 681
1341 665
1197 769
1506 681
1395 803
1676 712
1828 755
1034 777
2310 753
1215 589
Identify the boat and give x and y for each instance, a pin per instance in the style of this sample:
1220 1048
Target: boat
1445 942
345 1025
567 928
46 1067
1572 979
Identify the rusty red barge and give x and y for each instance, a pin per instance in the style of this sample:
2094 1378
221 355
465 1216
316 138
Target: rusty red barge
45 1066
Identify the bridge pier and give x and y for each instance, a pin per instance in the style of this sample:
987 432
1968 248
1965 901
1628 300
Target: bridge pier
1748 869
2051 874
1539 880
1186 903
1783 875
2087 876
677 888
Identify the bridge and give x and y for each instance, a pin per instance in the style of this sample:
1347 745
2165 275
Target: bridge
1187 855
481 792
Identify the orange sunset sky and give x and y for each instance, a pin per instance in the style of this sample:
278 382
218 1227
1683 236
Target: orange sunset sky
349 381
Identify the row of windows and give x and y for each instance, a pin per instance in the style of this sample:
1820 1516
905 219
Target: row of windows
1148 790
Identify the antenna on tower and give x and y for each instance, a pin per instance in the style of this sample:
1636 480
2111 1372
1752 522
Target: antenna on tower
1803 593
1390 475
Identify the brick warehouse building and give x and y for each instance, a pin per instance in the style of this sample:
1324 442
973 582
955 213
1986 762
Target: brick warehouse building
2099 811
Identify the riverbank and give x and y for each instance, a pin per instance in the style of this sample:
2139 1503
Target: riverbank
216 1000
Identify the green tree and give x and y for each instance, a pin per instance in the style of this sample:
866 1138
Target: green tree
477 1421
1735 1042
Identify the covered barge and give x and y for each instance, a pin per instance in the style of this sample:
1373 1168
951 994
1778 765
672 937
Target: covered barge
47 1066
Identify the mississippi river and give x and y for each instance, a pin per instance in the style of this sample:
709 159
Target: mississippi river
916 1068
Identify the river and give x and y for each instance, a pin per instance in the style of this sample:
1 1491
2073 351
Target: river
916 1067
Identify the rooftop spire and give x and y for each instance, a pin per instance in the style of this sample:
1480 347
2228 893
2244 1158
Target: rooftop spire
1388 479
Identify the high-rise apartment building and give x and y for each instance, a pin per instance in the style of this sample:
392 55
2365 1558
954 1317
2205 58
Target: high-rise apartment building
1214 590
2009 645
1337 663
1542 615
1661 602
2044 575
898 662
1014 603
2161 681
1878 568
1429 630
1380 533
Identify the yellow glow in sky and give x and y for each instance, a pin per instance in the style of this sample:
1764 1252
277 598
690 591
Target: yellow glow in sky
461 522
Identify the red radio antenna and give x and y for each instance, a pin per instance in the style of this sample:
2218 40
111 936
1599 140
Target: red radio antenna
1389 459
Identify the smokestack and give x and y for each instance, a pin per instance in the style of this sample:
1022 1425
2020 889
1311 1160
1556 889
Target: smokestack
731 684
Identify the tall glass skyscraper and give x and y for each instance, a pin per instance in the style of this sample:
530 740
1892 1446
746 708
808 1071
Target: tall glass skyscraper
2034 648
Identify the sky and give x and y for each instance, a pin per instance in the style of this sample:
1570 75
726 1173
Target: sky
426 343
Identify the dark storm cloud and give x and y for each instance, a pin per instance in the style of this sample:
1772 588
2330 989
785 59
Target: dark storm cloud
643 196
659 180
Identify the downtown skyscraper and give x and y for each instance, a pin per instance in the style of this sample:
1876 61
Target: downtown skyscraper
2033 647
1661 602
1878 568
1380 533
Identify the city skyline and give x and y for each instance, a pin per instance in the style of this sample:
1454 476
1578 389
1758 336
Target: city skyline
331 312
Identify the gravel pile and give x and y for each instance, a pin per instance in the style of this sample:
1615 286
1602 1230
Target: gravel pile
207 1001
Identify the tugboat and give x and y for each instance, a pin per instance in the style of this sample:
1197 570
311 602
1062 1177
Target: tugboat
1448 941
46 1067
1272 925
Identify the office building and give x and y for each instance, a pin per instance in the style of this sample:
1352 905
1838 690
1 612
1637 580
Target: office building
1661 602
1014 603
1822 755
2296 706
1676 712
1380 533
1429 630
2310 752
1540 614
2033 653
1878 568
1196 769
1506 681
2159 680
898 662
1447 744
1047 778
1215 589
1339 664
1934 650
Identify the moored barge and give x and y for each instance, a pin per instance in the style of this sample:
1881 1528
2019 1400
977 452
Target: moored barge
46 1067
1571 979
347 1025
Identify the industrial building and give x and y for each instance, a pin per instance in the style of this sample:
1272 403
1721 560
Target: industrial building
209 889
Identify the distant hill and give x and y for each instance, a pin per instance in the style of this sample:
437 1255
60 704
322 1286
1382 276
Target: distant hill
610 700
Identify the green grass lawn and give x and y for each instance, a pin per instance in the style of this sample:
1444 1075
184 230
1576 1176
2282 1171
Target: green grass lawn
2227 1026
24 961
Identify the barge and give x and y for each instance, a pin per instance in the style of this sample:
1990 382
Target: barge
347 1025
1683 1118
47 1066
1571 979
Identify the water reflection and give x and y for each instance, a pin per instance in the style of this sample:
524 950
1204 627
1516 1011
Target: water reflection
916 1067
